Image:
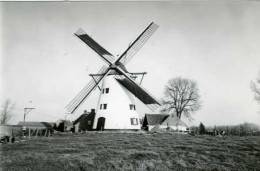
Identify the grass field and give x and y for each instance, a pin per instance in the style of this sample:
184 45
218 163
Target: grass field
132 151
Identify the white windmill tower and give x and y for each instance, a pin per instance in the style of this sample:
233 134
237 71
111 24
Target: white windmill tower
116 106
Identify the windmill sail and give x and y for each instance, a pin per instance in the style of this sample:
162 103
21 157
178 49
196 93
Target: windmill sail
86 91
137 90
105 55
116 67
137 44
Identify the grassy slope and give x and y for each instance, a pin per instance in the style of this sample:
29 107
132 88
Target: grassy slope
121 151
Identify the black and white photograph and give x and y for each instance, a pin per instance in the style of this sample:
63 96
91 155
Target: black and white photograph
129 85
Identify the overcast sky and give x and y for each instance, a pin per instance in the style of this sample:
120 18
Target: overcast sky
215 43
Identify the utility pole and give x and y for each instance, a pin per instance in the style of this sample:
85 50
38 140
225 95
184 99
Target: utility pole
27 110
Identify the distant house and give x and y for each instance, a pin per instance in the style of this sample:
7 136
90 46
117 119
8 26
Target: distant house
163 121
85 121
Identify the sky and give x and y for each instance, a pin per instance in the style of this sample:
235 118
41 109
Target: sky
43 65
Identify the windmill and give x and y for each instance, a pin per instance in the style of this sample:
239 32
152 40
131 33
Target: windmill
118 88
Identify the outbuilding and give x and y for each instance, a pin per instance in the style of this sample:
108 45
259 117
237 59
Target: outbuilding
36 128
163 122
174 124
85 121
152 120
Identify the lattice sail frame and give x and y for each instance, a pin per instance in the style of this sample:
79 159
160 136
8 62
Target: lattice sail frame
138 43
86 90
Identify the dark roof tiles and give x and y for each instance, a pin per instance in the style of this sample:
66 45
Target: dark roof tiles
154 119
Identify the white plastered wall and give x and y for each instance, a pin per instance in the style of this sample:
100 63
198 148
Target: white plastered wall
118 114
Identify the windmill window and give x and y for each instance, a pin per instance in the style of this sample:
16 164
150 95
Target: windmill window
104 106
132 107
103 90
107 90
134 121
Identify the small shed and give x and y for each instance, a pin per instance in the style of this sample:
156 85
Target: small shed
36 128
152 120
10 130
85 121
163 122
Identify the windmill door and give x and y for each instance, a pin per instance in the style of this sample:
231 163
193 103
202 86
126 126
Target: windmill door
101 124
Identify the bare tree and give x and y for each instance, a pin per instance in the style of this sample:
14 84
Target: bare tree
6 110
181 97
255 86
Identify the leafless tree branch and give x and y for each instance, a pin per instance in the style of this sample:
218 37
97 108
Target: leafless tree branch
6 110
181 97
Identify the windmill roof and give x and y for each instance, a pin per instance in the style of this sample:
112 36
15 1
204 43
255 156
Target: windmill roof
36 124
174 121
155 119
